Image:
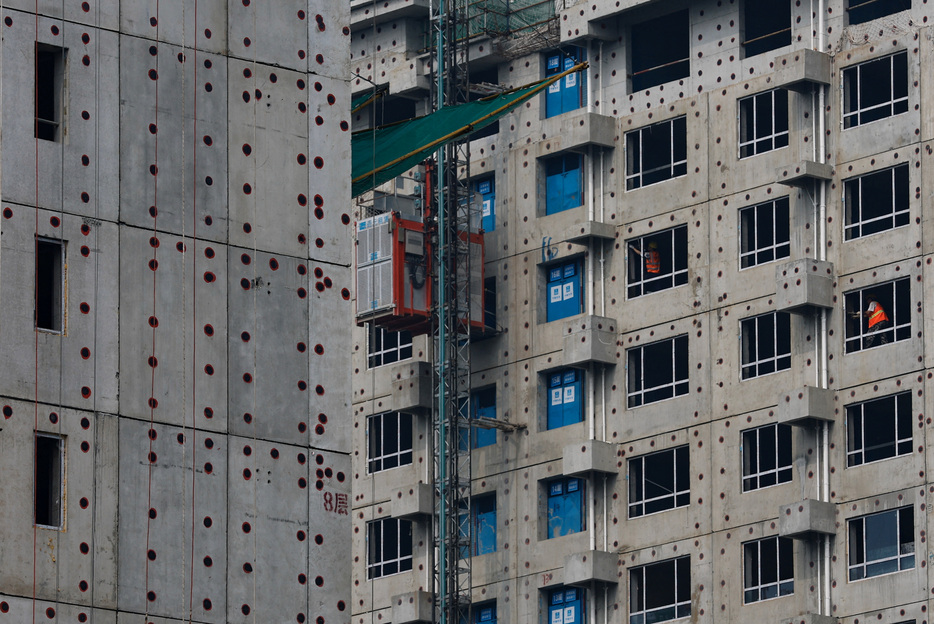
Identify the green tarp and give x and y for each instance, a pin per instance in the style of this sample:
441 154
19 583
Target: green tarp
382 154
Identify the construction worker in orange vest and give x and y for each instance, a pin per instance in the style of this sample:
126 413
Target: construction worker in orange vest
653 260
878 322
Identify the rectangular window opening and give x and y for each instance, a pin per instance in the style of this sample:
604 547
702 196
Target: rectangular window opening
385 346
486 189
660 51
656 153
764 233
389 438
766 456
480 534
876 202
564 182
569 93
565 296
881 543
766 26
659 481
389 547
878 315
50 285
565 507
49 494
657 262
660 592
657 371
768 569
875 89
878 429
766 344
861 11
566 606
49 94
763 123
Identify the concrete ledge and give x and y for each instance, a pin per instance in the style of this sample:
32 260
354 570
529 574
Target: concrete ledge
364 13
417 606
589 456
803 285
586 567
803 172
807 518
413 502
810 618
805 407
802 69
575 130
411 387
586 230
589 339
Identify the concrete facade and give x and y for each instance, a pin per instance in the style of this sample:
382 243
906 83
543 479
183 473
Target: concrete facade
829 492
192 384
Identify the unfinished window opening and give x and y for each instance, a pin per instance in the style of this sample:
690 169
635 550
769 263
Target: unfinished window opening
482 406
489 304
486 189
389 439
659 481
484 83
764 233
564 182
566 606
570 92
389 547
860 11
876 202
766 344
480 532
50 285
385 346
565 296
661 591
484 613
882 543
565 399
660 50
657 371
877 315
565 511
50 463
657 262
763 122
766 25
878 429
875 90
768 569
656 153
766 456
49 94
391 109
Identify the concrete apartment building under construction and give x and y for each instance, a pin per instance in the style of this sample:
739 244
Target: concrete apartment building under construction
174 438
705 337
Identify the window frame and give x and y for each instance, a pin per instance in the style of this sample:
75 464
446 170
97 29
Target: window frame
49 83
898 331
673 265
752 451
638 594
402 559
853 201
679 385
403 453
639 139
572 488
47 479
679 492
754 589
857 545
750 249
774 138
856 416
753 339
896 103
381 355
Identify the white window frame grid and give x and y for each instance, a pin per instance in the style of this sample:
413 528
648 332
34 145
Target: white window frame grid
677 277
400 560
402 456
783 472
853 420
60 526
378 357
641 617
901 559
750 147
895 314
679 491
892 216
778 250
674 384
750 330
780 584
671 166
853 118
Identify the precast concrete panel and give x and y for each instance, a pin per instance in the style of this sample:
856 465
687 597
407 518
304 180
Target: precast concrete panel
330 223
18 609
173 328
328 41
102 15
268 532
76 365
201 25
76 562
269 347
173 166
329 535
329 359
278 37
76 172
173 521
269 154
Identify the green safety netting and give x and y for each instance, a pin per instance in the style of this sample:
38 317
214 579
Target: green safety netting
382 154
364 100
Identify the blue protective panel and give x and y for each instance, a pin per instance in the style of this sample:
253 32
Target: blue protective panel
565 402
484 536
565 606
565 507
485 615
566 94
483 403
564 291
553 94
487 190
563 183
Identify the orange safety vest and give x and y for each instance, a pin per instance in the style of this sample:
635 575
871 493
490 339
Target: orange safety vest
876 314
653 261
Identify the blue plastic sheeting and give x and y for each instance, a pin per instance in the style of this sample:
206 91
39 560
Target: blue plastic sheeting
565 507
567 94
487 190
484 406
563 183
482 526
564 291
566 606
565 401
484 615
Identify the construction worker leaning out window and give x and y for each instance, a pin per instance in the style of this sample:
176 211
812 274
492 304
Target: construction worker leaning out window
653 259
878 322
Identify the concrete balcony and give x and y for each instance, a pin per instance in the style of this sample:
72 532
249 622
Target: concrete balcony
366 13
807 519
583 568
576 130
587 230
810 618
805 407
587 457
804 285
581 19
802 70
803 172
589 340
412 389
417 606
413 502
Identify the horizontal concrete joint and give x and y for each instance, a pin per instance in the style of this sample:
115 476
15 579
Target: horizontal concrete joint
810 618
